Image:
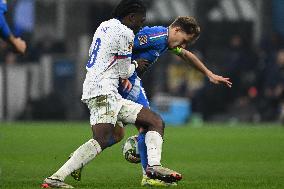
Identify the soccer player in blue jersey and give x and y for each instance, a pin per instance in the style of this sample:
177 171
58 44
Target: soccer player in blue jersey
149 44
5 32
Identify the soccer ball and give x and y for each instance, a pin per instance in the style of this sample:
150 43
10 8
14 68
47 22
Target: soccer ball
130 150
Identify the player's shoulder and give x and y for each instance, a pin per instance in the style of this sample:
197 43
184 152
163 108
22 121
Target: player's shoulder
153 31
122 29
153 36
125 31
117 27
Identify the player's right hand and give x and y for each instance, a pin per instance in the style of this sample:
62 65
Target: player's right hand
217 79
19 45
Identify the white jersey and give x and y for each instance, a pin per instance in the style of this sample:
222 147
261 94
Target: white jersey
109 59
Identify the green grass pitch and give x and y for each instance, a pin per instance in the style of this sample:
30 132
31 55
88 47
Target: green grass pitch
214 156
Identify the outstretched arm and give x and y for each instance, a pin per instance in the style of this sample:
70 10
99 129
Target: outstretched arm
18 44
191 58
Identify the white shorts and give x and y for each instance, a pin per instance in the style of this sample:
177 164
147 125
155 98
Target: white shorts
110 109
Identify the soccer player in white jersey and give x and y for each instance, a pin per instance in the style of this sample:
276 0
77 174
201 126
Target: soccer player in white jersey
149 44
110 61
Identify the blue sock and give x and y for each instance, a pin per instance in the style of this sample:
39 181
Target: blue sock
142 150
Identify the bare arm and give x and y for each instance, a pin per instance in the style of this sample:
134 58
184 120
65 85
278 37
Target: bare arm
19 44
191 58
5 33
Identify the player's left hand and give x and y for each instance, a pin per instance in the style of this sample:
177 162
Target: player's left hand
217 79
126 85
143 65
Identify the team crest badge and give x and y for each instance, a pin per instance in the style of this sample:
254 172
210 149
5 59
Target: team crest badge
142 39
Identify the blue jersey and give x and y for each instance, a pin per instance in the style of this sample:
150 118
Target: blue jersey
5 31
150 43
3 6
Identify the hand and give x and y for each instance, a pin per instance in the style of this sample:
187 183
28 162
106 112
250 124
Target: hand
126 84
19 44
217 79
143 65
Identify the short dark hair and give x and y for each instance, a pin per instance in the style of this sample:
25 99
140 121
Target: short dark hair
188 24
126 7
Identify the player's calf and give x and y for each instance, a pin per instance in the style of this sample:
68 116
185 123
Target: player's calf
103 133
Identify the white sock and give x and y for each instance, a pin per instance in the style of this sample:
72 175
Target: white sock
154 143
83 155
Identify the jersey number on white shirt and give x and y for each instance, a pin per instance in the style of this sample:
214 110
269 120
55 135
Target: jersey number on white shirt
93 57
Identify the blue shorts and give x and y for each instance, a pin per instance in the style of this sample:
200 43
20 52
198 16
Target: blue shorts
136 94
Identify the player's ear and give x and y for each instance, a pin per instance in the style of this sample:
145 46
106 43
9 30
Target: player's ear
177 29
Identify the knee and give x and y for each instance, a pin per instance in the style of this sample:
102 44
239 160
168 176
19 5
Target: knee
158 123
103 142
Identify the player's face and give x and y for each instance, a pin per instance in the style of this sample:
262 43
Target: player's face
137 21
180 39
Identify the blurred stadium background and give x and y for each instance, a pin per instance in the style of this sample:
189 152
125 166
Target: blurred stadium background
241 39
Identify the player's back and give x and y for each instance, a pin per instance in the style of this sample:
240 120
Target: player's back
102 73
